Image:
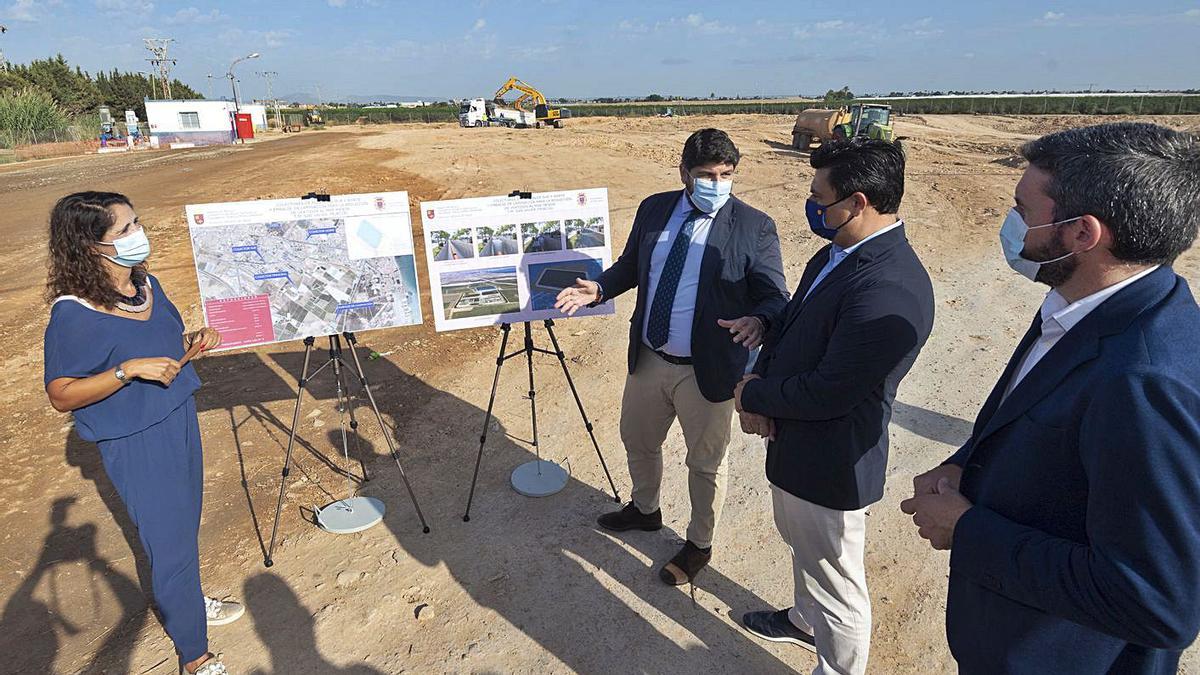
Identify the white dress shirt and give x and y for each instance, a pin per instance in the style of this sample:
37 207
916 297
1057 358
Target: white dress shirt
1058 317
837 254
679 337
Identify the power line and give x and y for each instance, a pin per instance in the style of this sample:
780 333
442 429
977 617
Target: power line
158 47
268 75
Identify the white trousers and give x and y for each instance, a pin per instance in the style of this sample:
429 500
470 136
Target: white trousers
831 601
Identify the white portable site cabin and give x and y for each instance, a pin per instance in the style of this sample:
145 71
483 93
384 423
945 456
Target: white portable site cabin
193 122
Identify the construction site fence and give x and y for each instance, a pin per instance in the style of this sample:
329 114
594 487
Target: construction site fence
14 138
74 133
1153 104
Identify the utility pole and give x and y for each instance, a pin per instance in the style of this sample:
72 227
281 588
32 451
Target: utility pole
268 75
210 79
158 47
318 94
3 63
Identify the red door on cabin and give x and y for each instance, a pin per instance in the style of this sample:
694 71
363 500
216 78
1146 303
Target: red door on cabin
245 125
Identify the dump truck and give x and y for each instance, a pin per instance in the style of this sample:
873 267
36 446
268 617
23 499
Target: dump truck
860 119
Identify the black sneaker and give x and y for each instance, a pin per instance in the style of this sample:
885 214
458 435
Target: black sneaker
629 518
777 627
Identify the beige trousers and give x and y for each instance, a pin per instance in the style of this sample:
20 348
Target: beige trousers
656 393
831 601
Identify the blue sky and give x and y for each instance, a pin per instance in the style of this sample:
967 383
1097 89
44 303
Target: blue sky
581 48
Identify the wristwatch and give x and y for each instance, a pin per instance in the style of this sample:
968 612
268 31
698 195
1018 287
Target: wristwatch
120 373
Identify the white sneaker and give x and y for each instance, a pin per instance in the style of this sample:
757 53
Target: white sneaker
221 612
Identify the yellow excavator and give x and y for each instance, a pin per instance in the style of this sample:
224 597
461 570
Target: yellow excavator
544 113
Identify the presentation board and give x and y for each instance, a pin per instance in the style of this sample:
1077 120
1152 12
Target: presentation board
503 259
285 269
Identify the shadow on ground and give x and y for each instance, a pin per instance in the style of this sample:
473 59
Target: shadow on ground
552 575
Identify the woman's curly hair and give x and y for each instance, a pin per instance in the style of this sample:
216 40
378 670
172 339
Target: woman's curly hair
77 223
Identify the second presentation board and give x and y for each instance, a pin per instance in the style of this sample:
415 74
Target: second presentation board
503 259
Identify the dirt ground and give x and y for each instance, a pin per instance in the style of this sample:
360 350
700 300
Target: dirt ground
528 585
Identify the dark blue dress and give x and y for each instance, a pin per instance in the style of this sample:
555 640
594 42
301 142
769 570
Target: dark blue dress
149 440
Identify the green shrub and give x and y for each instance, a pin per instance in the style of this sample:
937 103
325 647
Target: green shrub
28 110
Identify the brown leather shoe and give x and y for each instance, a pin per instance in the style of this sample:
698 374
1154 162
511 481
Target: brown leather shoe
630 518
686 564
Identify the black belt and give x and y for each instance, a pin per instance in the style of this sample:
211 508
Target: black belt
671 358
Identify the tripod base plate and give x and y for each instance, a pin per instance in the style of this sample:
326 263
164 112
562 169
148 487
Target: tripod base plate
347 516
539 478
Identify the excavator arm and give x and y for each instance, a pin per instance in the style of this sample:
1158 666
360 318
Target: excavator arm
527 93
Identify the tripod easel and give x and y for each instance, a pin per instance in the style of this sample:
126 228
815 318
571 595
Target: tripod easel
357 513
528 350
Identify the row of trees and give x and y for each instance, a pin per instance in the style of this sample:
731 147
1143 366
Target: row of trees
76 92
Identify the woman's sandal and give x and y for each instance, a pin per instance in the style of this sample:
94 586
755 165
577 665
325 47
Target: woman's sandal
212 666
686 564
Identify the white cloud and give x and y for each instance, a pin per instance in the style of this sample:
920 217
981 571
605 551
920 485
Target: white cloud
193 15
697 23
27 10
21 10
250 40
337 3
480 24
921 28
631 26
125 6
1053 16
1192 13
830 25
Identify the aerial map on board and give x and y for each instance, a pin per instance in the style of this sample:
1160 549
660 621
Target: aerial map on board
286 269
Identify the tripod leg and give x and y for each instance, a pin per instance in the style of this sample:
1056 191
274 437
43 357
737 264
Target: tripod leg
335 358
562 360
345 402
384 430
532 394
504 328
287 462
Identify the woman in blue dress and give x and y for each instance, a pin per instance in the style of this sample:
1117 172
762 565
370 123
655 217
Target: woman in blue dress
112 356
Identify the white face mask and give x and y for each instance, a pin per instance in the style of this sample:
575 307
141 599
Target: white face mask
132 249
1012 240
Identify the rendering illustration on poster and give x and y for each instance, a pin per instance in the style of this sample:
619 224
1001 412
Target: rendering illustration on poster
502 259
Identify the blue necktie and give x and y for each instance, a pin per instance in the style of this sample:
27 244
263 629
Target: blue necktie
659 325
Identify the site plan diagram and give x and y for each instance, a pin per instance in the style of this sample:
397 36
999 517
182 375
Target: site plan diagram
495 260
286 269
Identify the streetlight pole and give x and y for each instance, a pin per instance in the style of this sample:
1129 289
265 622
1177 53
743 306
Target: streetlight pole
237 106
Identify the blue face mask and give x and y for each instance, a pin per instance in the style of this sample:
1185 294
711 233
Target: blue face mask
1012 240
816 219
132 249
710 195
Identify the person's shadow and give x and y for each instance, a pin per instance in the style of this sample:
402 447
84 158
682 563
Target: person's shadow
29 627
541 564
286 628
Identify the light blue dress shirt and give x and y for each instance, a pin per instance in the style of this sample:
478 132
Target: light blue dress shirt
679 339
837 254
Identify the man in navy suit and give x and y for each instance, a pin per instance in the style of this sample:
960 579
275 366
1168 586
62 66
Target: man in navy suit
822 393
1073 512
710 278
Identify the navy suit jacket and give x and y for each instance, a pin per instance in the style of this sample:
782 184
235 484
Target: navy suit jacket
831 367
1081 553
741 274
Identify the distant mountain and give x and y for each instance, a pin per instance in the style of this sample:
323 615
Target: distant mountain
309 97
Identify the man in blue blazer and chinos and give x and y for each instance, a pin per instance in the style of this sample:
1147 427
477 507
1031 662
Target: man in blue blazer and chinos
1072 514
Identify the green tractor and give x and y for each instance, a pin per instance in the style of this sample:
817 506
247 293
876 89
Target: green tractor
867 120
